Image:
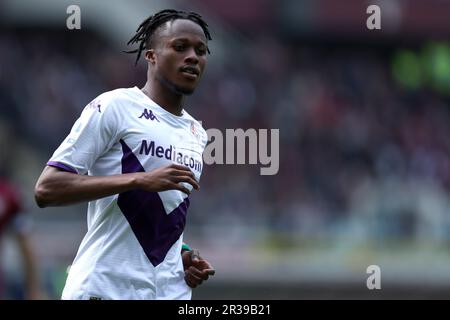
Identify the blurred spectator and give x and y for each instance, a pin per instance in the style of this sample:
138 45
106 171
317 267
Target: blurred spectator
347 128
12 218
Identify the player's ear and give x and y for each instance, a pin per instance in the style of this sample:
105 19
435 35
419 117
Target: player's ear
150 56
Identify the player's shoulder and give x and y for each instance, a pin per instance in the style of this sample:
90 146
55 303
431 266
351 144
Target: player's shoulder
118 95
113 99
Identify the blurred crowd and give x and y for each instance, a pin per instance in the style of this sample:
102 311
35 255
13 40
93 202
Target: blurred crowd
361 157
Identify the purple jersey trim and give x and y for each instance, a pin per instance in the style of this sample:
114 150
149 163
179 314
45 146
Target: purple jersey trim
155 230
61 166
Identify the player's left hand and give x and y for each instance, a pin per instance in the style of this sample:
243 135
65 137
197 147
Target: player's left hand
196 269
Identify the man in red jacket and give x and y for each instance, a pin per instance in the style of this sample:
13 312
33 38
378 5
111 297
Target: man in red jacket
11 218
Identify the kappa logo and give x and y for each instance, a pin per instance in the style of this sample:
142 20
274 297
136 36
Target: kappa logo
95 105
148 115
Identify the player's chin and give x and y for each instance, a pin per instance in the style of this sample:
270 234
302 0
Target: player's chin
185 89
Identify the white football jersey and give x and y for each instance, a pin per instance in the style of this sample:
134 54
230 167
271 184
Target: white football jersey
133 244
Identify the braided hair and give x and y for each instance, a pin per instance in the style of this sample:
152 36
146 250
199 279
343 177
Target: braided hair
146 29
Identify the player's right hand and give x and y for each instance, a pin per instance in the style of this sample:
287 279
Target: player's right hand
170 177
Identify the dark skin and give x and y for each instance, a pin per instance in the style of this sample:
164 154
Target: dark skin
178 44
196 269
176 61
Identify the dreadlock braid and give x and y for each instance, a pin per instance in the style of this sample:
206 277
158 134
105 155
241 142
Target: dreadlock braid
146 29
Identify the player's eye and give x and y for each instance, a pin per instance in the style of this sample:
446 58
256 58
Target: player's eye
201 51
179 47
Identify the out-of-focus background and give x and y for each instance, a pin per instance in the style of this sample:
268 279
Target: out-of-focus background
364 120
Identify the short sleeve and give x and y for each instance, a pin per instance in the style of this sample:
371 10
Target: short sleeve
94 133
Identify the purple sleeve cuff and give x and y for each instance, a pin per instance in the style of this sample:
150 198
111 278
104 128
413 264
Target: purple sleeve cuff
61 166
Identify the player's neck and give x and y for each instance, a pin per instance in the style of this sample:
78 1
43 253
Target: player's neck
164 98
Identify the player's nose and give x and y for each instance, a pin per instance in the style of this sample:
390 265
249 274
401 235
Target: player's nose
191 57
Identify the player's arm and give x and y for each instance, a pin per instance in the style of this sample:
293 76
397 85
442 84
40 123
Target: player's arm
56 187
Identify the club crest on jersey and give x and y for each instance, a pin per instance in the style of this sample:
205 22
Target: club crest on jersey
148 115
195 131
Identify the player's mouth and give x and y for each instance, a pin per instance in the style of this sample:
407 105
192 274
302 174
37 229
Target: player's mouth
190 72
